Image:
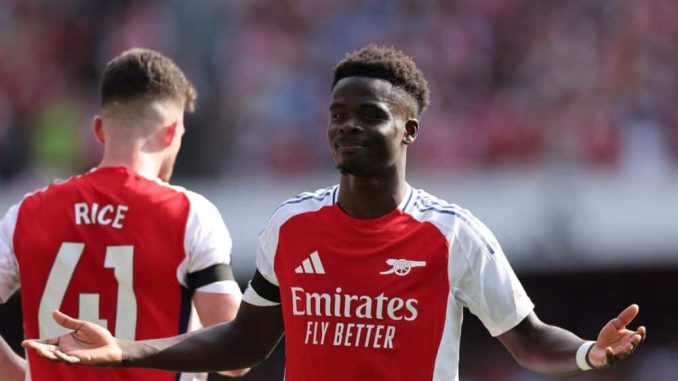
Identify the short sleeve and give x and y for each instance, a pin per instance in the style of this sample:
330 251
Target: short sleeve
265 282
208 245
482 278
9 269
267 242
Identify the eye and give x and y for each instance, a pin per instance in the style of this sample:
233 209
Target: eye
337 115
373 116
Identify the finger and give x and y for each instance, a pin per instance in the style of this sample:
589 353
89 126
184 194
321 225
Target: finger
66 358
34 343
626 316
642 332
48 344
46 353
66 321
636 339
609 356
622 353
29 344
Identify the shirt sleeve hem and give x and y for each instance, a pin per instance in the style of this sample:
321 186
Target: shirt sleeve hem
524 309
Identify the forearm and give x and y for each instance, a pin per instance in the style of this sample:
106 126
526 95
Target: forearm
543 348
219 347
552 352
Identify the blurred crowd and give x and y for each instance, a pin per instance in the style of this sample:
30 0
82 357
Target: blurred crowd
513 82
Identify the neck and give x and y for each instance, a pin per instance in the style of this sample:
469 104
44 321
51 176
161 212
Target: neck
372 197
140 162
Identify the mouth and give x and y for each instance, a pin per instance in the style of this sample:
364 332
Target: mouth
348 146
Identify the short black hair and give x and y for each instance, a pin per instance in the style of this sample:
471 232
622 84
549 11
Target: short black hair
144 73
387 63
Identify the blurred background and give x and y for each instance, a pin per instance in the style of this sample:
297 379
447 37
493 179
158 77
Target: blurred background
555 122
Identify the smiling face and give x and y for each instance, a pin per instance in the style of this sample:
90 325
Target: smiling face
369 127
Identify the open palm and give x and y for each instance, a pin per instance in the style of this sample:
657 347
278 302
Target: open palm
88 344
616 342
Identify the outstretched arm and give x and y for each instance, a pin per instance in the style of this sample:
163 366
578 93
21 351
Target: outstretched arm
552 350
242 343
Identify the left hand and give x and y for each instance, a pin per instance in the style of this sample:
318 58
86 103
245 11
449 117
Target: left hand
615 342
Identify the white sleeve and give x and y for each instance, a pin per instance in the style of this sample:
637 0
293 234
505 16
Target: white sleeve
207 242
9 268
267 242
482 278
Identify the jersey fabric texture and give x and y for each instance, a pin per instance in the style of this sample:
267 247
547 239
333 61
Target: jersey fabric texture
382 299
113 247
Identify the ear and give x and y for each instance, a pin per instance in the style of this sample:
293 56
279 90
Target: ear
98 127
411 131
169 132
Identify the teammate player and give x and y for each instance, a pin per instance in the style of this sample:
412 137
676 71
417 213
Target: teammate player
119 246
368 278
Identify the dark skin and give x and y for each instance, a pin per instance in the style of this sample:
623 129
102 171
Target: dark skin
369 131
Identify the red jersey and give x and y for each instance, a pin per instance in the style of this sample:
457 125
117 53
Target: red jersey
381 299
112 247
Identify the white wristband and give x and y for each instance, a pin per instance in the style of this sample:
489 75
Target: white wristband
581 355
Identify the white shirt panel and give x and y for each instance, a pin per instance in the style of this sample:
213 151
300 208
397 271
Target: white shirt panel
9 268
207 242
481 279
447 359
267 242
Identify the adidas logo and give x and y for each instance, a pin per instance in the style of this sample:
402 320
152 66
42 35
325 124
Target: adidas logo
311 265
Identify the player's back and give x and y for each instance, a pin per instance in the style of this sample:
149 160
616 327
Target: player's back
104 246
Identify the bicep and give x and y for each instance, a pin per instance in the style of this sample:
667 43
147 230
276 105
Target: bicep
214 308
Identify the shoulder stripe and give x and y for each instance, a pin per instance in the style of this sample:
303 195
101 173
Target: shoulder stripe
454 211
318 196
409 199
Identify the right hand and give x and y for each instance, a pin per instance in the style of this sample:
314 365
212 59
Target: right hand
88 344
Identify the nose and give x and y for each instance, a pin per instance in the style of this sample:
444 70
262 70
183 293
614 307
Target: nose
351 126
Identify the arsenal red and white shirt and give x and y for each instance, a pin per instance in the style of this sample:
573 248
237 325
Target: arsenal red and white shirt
116 248
381 299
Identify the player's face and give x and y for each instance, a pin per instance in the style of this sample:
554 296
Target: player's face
366 130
